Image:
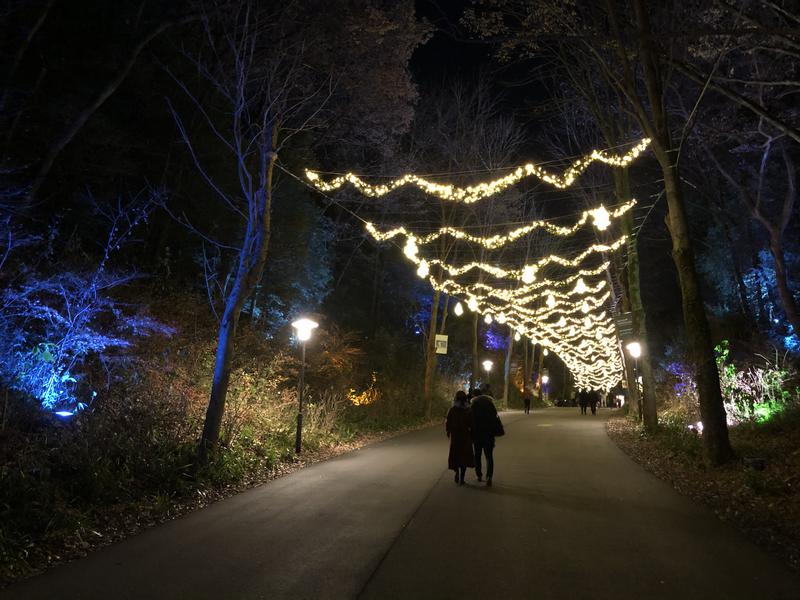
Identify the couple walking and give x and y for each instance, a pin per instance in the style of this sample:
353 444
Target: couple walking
472 430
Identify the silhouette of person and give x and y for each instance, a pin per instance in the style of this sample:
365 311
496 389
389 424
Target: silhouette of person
527 394
594 399
583 400
459 429
484 419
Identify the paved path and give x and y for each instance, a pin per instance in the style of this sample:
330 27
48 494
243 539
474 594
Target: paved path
569 516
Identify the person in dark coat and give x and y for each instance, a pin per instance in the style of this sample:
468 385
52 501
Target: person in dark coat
484 419
459 430
594 400
527 395
583 400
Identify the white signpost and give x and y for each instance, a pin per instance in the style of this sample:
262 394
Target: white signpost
441 344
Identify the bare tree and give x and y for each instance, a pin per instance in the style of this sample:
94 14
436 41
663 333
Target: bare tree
262 95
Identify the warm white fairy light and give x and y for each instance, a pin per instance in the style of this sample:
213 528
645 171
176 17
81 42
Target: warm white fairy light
580 287
488 318
601 219
423 269
551 301
528 274
472 304
501 318
477 192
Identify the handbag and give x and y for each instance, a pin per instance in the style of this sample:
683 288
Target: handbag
499 430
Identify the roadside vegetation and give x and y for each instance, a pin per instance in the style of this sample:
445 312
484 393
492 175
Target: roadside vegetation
758 492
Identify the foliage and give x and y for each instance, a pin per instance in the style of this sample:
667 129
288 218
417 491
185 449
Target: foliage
58 324
758 392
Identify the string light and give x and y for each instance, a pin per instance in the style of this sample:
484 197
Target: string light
482 190
600 216
517 336
472 304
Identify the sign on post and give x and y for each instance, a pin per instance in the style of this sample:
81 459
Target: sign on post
441 344
624 323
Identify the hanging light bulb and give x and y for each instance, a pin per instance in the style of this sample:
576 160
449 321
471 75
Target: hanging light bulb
472 304
601 218
551 301
488 319
528 274
572 331
580 287
587 323
458 309
411 248
423 269
562 322
501 318
545 352
585 308
517 337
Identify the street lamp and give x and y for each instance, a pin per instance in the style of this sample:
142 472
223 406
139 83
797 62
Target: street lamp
487 366
303 327
635 350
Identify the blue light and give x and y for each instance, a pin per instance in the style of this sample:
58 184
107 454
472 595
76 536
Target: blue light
64 413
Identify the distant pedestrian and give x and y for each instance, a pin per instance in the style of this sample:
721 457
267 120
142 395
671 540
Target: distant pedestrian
527 395
583 400
594 400
485 424
459 429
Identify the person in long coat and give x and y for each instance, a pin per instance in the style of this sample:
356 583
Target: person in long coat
459 430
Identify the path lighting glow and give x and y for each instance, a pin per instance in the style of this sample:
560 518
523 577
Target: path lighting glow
634 349
487 365
303 327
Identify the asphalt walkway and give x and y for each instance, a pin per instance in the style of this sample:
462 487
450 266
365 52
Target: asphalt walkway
569 516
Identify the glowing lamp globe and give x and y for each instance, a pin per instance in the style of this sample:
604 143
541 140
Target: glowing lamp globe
517 337
423 269
634 349
501 318
487 365
488 319
528 274
458 309
545 379
545 352
304 327
601 218
473 304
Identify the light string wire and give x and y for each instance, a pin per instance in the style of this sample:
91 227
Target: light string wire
481 190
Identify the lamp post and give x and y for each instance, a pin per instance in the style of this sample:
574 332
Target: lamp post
635 350
303 327
545 381
487 366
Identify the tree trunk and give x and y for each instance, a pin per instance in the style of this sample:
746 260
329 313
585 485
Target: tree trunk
473 378
524 366
252 258
715 428
781 280
445 312
430 356
648 396
507 366
539 373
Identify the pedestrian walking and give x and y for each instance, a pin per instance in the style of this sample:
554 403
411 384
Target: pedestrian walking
485 427
459 429
527 395
594 400
583 400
